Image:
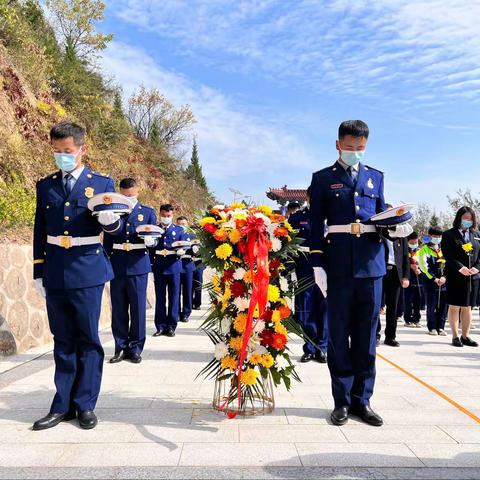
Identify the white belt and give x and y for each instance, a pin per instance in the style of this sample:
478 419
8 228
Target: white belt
186 256
66 241
304 249
129 246
352 228
165 252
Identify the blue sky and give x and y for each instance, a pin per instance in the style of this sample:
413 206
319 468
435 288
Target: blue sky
270 80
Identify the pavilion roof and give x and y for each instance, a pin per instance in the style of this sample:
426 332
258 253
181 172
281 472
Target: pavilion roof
283 194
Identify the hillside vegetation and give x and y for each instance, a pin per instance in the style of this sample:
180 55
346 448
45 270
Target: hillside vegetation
44 80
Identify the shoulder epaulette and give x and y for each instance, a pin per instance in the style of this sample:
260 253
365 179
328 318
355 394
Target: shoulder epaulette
51 175
97 174
373 168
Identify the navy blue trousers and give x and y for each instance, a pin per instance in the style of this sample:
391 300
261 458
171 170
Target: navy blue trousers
186 287
197 287
167 283
353 309
129 312
436 313
73 316
311 314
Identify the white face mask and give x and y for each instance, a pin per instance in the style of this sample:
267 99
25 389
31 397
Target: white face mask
134 200
166 220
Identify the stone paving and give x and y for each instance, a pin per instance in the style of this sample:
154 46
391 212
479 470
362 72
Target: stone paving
156 420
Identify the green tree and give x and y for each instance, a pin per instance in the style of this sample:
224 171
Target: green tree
194 170
74 23
434 220
117 110
464 198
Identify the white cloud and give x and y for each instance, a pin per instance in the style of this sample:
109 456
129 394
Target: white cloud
232 143
393 50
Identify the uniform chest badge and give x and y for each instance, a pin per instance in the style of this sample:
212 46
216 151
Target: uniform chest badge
89 191
336 186
174 233
370 183
140 217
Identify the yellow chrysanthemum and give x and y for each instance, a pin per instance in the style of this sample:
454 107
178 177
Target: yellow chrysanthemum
239 216
255 359
228 362
223 251
237 205
273 293
215 281
276 317
240 322
235 236
287 225
468 247
206 220
279 328
265 209
267 360
236 343
249 377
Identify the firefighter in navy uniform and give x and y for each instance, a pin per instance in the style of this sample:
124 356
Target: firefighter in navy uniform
70 270
310 304
346 195
186 276
131 266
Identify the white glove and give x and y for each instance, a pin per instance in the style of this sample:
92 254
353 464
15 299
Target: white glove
321 279
195 249
108 218
40 288
150 241
401 231
180 252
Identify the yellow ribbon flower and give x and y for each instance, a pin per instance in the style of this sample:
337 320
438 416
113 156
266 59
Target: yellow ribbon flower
467 247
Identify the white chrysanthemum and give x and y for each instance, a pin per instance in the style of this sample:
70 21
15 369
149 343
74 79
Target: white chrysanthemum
219 207
225 325
276 244
208 274
241 303
283 284
259 327
239 273
281 363
221 349
229 224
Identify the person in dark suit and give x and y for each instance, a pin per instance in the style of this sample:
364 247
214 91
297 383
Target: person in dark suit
461 250
396 278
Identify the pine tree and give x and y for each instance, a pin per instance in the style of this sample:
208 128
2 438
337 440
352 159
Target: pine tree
154 134
434 221
117 106
194 170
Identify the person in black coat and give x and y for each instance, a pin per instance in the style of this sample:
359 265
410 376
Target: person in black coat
461 250
396 278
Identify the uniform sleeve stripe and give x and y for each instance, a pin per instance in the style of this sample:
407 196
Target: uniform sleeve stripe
36 262
316 251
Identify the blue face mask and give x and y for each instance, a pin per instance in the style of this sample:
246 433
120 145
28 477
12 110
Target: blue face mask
66 161
467 224
351 158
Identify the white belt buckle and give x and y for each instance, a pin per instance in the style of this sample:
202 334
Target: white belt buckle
126 247
356 229
65 241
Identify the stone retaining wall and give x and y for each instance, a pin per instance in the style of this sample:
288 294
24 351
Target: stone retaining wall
23 318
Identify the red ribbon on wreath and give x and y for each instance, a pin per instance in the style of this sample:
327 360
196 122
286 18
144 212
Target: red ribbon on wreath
256 255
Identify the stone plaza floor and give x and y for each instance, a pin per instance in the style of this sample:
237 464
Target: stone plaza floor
156 420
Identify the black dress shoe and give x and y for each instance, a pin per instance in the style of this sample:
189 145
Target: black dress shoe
135 357
170 332
185 319
118 357
87 419
306 357
467 341
367 415
456 342
391 342
321 357
158 333
196 307
52 420
339 416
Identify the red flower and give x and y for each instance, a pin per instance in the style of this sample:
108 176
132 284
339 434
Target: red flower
275 263
210 227
266 338
237 288
242 247
228 275
279 341
267 315
240 223
220 235
285 312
